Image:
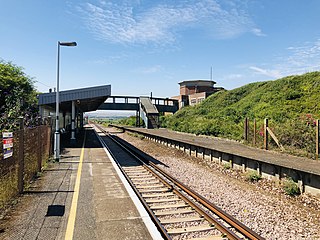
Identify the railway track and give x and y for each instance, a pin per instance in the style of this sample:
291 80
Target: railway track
178 211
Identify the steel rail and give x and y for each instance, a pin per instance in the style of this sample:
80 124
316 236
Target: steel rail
238 226
159 226
225 230
247 232
218 211
230 234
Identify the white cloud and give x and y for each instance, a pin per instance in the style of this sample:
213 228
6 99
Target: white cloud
109 59
150 70
232 76
305 56
258 32
300 59
124 21
267 72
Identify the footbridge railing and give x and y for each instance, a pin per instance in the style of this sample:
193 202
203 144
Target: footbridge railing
133 103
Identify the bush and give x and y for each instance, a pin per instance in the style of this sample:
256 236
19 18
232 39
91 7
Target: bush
227 166
17 97
290 187
253 176
130 121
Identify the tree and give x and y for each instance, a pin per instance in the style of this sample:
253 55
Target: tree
17 96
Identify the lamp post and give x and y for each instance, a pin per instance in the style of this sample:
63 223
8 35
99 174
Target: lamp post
57 132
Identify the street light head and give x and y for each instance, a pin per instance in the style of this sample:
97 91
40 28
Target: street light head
68 44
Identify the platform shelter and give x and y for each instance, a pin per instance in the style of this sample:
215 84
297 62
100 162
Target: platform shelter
73 103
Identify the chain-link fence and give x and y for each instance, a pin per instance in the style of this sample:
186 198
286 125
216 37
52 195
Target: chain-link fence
31 150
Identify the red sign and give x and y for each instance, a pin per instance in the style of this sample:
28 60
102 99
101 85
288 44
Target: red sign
7 138
8 141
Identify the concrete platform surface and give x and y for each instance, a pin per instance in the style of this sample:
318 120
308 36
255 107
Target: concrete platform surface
235 148
104 209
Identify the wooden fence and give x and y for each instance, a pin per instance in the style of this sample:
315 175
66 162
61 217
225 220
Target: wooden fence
268 132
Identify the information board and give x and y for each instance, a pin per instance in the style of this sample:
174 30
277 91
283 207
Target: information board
7 138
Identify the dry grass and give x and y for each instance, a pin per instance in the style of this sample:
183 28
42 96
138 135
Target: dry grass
8 188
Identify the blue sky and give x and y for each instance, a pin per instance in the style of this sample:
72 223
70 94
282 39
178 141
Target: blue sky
143 46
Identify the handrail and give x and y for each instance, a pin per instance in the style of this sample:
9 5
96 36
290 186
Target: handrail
155 101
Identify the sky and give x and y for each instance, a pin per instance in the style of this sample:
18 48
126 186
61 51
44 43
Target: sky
143 46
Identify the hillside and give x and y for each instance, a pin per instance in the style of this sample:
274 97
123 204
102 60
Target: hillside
290 104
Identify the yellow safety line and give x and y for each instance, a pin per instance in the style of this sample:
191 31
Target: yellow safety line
73 210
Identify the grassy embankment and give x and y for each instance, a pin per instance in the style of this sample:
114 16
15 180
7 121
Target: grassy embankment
291 104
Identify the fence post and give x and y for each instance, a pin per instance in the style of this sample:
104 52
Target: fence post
248 129
254 131
245 130
317 139
39 148
265 134
51 136
21 156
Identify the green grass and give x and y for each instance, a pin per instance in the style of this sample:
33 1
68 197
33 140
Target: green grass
137 135
290 187
290 104
253 176
227 166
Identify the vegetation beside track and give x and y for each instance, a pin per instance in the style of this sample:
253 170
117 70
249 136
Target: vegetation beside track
127 121
291 104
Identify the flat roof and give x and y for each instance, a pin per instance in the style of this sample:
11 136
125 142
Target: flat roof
197 82
87 99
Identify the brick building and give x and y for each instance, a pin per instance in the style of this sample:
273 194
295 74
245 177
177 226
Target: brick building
193 92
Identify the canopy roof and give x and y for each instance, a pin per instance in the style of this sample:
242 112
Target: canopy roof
87 99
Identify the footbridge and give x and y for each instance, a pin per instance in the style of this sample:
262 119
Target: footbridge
148 108
73 103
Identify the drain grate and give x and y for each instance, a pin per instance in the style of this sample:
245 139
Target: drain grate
55 210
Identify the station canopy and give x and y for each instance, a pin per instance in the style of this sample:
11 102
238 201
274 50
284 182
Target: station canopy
87 99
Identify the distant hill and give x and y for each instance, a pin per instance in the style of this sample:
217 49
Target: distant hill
291 103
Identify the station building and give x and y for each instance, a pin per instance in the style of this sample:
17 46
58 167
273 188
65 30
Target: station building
193 92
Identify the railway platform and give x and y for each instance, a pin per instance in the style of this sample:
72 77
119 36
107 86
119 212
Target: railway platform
304 171
80 197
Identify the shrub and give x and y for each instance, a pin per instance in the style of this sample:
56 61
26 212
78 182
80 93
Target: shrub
253 176
17 97
298 133
227 165
290 187
130 121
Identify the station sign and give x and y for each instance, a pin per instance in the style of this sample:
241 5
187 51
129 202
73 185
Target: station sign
7 138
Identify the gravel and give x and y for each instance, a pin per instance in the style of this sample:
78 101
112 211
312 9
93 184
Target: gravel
261 206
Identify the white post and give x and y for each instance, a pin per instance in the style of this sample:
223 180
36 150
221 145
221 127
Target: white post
57 132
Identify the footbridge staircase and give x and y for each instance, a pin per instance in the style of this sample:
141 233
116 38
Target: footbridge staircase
149 113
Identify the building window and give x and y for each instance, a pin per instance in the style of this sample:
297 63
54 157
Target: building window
193 101
200 100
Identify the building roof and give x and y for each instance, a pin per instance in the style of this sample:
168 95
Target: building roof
197 83
87 99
